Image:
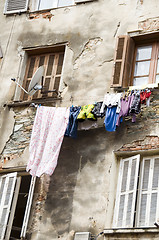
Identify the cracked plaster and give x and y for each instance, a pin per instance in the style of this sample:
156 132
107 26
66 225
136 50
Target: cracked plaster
88 53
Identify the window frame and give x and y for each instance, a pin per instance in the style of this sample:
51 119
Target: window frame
153 62
122 76
3 204
53 7
13 202
138 192
46 52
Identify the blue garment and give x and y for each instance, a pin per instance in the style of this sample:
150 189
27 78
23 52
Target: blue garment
111 119
71 130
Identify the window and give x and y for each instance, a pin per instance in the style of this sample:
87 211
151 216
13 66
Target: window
53 62
19 6
137 198
135 62
15 6
49 4
146 64
15 204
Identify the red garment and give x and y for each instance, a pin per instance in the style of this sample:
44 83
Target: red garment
144 95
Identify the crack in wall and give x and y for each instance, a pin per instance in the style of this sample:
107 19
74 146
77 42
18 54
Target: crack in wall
88 52
106 61
89 45
117 28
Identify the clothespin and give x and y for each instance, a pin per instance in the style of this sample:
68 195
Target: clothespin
33 105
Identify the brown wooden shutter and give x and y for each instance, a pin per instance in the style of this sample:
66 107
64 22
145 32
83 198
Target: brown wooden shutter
123 61
53 63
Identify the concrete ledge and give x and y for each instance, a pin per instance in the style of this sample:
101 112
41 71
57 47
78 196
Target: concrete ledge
36 101
131 230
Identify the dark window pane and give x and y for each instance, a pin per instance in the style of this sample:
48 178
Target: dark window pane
60 63
50 65
31 67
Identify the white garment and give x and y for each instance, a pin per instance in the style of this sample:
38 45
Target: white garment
47 135
110 100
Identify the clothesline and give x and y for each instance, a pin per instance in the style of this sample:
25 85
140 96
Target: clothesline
114 107
52 123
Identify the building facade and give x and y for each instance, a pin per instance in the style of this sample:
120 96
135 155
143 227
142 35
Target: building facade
105 182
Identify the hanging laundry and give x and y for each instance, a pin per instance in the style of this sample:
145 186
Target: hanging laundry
96 110
111 118
136 104
110 100
86 113
126 103
71 130
144 95
47 135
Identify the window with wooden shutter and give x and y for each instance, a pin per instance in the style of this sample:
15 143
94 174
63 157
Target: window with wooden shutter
137 198
148 206
126 192
53 63
15 6
123 59
16 195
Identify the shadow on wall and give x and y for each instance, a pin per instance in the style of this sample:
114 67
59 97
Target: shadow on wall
59 203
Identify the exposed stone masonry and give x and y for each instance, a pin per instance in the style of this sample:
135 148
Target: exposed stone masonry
20 137
150 142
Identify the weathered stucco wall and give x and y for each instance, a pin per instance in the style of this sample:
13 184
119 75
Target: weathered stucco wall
91 39
82 190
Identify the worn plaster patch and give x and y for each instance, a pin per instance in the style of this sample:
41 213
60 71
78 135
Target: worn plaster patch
149 142
88 52
150 24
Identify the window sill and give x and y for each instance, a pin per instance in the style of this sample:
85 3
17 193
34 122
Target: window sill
139 87
131 230
36 101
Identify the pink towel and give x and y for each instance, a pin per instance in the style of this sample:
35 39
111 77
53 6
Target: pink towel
47 135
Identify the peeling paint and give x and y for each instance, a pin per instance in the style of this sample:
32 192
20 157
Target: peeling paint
88 51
